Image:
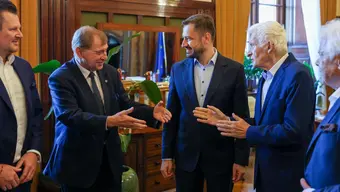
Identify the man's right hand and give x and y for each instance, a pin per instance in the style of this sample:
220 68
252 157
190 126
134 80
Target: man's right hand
122 119
166 168
9 178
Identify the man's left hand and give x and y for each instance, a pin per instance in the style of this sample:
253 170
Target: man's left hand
161 113
238 172
306 187
237 128
29 164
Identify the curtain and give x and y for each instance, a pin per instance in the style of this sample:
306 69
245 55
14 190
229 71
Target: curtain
231 27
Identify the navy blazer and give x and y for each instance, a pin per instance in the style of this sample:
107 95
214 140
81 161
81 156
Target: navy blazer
323 155
283 128
8 122
80 133
185 139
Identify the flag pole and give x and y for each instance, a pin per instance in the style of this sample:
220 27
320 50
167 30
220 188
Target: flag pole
165 59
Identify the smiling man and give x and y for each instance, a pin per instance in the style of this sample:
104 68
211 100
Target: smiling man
20 108
90 104
204 78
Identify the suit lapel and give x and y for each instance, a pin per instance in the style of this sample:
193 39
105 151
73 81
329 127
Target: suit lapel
275 82
4 95
258 102
188 78
21 73
104 81
80 78
326 120
216 78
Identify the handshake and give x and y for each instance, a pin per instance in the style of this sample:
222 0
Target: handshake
215 117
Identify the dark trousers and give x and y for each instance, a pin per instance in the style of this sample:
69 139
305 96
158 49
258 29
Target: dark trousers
105 181
194 181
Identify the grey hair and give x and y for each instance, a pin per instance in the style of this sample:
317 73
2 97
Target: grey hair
269 31
330 38
83 38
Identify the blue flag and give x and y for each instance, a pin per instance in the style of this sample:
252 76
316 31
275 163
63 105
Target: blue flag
160 57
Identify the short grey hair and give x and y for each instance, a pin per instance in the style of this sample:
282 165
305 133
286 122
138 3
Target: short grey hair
330 38
83 38
269 31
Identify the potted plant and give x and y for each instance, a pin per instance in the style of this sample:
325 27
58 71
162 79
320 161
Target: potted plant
252 74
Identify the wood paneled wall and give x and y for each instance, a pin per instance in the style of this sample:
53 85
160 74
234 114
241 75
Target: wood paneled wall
60 18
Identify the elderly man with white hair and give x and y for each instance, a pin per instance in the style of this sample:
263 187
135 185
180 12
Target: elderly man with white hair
323 156
284 112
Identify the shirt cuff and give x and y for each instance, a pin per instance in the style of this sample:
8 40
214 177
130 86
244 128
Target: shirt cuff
309 190
36 152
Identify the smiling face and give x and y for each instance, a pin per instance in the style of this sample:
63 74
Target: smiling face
10 34
93 58
192 42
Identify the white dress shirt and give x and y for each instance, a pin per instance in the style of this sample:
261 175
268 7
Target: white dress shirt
269 76
202 75
86 74
332 99
16 94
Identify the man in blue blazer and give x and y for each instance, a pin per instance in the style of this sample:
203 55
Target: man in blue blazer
90 104
204 78
322 171
20 108
284 112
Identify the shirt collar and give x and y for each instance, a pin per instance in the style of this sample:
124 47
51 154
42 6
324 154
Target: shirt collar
84 71
272 71
10 61
335 95
212 60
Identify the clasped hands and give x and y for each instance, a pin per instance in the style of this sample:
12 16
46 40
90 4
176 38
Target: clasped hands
9 178
213 116
122 119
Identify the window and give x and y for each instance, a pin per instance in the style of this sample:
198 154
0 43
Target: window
289 14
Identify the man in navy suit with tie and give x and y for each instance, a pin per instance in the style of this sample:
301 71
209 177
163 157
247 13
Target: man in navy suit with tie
284 112
20 108
322 171
204 78
90 104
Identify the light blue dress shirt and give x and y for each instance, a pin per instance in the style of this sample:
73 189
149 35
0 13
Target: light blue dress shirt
202 75
268 77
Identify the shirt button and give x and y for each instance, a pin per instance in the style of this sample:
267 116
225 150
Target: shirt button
202 81
202 95
203 69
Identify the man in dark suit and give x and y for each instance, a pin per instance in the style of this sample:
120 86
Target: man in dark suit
284 112
90 104
322 170
20 108
204 78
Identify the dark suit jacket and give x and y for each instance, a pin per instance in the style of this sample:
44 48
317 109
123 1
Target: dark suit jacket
187 140
283 128
79 132
323 155
8 122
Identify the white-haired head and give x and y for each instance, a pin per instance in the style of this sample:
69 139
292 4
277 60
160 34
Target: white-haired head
330 39
269 31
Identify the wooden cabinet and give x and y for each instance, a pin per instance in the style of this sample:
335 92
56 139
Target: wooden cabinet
144 156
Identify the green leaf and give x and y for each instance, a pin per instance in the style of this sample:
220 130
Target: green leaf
116 49
47 67
49 113
151 89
